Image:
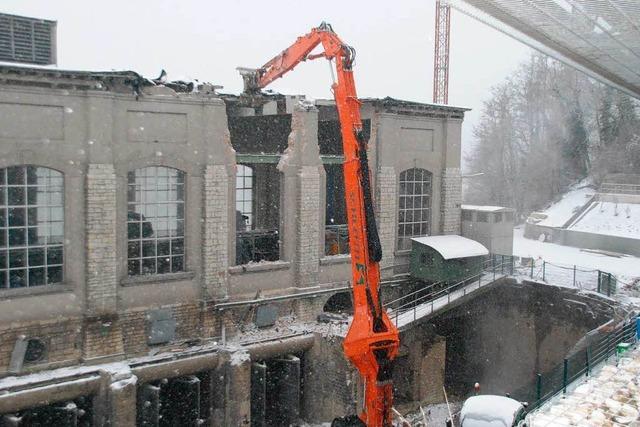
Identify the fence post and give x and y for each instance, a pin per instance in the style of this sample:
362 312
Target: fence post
609 285
599 281
502 264
544 270
538 387
574 275
532 262
512 264
587 359
606 347
565 375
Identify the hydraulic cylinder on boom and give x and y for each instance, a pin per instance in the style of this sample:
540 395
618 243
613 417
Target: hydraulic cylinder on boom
372 341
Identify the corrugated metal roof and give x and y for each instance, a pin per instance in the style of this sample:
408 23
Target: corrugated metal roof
599 37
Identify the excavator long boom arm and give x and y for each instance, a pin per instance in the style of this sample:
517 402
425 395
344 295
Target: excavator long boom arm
372 340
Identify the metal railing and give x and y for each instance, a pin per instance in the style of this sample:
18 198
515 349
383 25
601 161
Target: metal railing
612 187
569 275
580 364
336 240
492 269
256 246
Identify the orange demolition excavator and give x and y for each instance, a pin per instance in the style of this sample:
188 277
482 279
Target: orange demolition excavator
372 341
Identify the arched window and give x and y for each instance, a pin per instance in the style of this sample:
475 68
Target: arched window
244 198
414 211
155 221
31 226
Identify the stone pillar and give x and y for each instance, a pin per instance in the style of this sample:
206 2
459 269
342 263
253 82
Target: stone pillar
308 226
386 212
238 386
122 399
215 226
301 163
451 200
431 372
451 188
101 240
102 334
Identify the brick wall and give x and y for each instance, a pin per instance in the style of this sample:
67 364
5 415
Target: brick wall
135 327
62 336
386 207
215 228
308 226
101 239
451 200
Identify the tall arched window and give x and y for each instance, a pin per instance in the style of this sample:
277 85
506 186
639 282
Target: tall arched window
31 226
155 221
414 212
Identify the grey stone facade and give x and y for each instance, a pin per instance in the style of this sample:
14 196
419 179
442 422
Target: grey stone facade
451 200
97 128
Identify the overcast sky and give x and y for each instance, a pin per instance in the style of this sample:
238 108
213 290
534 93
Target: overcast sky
207 40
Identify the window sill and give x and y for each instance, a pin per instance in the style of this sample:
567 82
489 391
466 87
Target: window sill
157 278
403 252
259 266
335 259
36 290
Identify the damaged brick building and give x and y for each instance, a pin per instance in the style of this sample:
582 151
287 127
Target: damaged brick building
154 239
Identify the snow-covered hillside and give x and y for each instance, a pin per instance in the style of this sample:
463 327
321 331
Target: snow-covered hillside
560 212
615 219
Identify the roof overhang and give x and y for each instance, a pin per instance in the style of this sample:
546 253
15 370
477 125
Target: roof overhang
598 37
452 246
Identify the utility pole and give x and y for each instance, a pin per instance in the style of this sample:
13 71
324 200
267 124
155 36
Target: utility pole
441 56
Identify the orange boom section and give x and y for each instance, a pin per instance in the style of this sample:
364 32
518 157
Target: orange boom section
372 341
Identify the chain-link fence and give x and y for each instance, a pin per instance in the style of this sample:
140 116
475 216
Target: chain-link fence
568 275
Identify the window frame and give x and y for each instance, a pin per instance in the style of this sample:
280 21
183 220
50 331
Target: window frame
406 206
340 246
252 215
52 179
180 179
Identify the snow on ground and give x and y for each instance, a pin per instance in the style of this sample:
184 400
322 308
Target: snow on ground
623 266
560 212
615 219
609 398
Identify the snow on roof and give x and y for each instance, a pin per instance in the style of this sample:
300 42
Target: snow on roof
484 208
453 246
